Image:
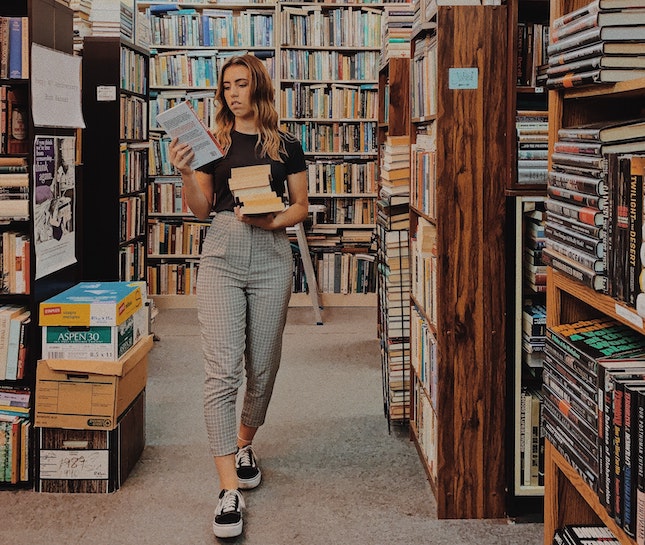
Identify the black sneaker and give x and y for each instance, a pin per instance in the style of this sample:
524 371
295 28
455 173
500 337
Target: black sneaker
248 472
228 515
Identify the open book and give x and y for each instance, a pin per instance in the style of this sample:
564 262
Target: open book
182 122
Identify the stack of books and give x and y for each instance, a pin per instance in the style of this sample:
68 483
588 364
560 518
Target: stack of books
14 188
15 430
532 146
395 165
594 409
82 24
251 187
534 269
601 42
584 535
594 214
396 31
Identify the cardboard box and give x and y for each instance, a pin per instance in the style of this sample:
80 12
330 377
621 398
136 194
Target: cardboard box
92 304
90 461
107 343
89 394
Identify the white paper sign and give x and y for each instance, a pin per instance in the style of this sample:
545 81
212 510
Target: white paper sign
462 78
55 88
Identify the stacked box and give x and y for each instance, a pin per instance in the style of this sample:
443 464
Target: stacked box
91 461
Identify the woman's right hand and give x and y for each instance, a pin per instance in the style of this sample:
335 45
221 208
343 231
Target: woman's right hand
181 155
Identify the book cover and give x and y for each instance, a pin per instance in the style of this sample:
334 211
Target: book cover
181 122
15 48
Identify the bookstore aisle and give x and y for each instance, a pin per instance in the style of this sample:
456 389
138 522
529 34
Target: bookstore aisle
332 472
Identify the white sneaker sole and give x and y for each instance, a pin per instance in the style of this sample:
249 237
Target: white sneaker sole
227 530
247 484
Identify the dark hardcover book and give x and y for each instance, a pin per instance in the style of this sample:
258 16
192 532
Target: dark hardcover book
578 534
577 182
15 48
584 214
589 245
17 120
619 220
634 228
575 197
598 49
640 467
590 64
579 227
579 159
574 269
631 453
591 262
605 131
601 75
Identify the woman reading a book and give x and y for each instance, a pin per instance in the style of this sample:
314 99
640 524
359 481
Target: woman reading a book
245 274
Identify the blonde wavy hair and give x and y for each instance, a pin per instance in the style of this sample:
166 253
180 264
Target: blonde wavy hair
269 142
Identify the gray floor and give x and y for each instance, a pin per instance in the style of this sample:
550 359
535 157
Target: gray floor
332 472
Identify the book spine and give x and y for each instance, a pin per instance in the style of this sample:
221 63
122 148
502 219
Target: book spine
15 47
640 469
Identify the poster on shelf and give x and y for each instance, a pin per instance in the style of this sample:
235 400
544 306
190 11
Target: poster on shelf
54 199
55 88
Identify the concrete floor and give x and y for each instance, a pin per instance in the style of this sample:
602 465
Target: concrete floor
332 472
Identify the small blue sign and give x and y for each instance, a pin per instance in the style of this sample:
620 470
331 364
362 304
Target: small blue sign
462 78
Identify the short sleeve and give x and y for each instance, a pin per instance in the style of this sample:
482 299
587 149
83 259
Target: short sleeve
296 161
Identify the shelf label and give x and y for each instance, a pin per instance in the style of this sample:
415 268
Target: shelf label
105 93
463 78
629 315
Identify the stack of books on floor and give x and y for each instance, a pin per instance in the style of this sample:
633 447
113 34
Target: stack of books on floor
90 387
601 42
532 146
594 212
594 410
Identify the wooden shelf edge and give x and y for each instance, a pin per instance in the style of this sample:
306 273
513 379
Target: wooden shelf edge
607 305
555 462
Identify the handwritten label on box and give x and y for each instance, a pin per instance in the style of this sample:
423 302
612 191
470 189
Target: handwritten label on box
74 464
463 78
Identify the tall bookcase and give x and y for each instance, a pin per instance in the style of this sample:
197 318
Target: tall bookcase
115 159
567 498
526 190
50 25
457 222
394 277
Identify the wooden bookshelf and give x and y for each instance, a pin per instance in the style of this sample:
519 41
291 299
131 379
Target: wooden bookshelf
567 499
458 410
50 25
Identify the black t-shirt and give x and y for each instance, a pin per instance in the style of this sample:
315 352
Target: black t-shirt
243 153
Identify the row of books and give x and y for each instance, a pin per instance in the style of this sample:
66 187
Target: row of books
14 447
15 262
423 175
344 272
595 534
175 237
132 261
423 343
14 119
168 278
532 130
330 101
14 320
14 47
299 64
594 207
134 71
210 27
132 215
134 167
424 267
335 136
594 410
195 68
423 69
600 42
532 42
346 26
332 177
531 437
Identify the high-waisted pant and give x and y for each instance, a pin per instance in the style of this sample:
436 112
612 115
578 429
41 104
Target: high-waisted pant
243 290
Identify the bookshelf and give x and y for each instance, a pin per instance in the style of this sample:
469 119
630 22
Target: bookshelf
568 498
49 24
393 240
528 26
115 148
457 225
328 87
